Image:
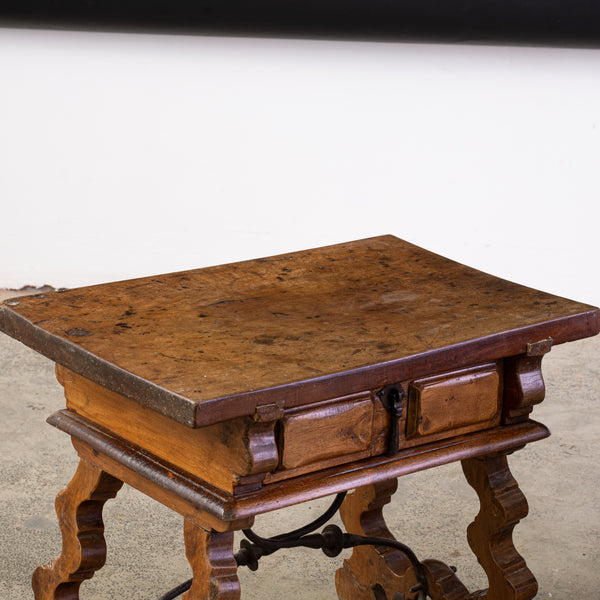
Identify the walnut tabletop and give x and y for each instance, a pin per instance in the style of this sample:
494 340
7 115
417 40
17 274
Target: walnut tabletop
207 345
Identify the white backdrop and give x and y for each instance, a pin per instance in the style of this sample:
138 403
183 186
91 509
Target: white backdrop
128 155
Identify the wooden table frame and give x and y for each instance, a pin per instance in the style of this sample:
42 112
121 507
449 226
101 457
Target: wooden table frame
211 518
211 515
442 387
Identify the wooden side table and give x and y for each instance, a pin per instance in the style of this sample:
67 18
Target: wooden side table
235 390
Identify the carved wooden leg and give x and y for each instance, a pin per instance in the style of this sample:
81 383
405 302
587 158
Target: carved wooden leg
371 572
79 510
490 535
213 565
383 573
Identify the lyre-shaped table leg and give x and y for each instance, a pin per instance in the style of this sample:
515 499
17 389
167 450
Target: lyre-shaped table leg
503 505
79 509
371 572
214 569
379 572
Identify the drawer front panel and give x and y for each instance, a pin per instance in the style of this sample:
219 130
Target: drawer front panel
461 401
332 431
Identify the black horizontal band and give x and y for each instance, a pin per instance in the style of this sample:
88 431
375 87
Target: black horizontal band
534 22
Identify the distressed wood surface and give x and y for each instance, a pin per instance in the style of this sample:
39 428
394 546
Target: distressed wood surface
524 387
208 345
328 432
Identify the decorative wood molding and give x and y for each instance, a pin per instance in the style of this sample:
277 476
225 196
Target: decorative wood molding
261 455
262 448
490 535
79 509
210 555
212 508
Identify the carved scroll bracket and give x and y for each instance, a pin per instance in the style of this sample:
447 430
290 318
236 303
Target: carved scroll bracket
261 447
523 382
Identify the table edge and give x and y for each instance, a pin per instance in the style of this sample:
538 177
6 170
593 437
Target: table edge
193 414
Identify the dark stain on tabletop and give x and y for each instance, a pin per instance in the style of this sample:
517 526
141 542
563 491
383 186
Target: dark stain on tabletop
264 340
78 332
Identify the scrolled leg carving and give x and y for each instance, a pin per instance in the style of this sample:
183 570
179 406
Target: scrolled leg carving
442 582
214 569
79 509
503 505
371 572
383 573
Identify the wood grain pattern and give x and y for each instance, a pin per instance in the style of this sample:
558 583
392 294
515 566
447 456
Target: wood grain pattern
442 582
197 501
334 430
287 365
79 510
380 427
502 505
214 569
223 454
457 402
209 345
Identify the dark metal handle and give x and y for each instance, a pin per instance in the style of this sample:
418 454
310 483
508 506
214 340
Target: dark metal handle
393 397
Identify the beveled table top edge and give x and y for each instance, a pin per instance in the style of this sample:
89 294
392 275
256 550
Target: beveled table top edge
88 365
297 393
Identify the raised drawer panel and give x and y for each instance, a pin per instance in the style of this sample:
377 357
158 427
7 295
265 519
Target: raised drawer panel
332 431
457 402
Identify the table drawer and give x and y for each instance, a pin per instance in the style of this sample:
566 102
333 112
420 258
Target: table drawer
323 435
356 427
334 430
455 403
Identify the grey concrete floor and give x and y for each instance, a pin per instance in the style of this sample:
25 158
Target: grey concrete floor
560 477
